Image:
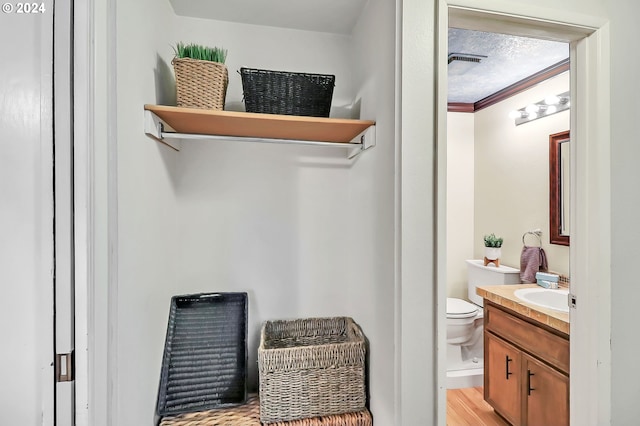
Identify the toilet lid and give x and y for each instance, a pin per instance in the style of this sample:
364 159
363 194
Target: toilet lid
458 308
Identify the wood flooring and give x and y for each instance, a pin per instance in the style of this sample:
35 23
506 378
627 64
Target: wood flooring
466 407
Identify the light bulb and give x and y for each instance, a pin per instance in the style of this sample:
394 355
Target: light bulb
532 108
552 109
532 116
515 114
552 100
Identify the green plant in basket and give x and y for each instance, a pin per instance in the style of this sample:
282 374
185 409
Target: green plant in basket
492 241
203 53
201 76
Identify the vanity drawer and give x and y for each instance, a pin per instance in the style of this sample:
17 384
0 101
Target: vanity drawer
530 337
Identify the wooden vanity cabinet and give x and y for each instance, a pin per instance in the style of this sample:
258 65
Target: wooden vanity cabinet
503 387
526 377
547 394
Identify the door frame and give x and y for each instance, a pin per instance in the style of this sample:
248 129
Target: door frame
63 195
589 270
95 211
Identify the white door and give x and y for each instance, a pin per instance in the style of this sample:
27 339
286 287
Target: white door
30 257
26 218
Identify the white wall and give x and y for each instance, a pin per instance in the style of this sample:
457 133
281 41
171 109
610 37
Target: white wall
303 230
26 219
490 162
460 200
625 203
512 175
370 280
418 359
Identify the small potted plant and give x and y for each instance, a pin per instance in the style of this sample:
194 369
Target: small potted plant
201 76
492 249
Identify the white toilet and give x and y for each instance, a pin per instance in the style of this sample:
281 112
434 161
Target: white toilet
465 324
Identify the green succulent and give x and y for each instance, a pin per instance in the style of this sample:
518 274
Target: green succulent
196 51
492 241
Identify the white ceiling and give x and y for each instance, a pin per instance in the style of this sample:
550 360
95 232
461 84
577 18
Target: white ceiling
509 59
327 16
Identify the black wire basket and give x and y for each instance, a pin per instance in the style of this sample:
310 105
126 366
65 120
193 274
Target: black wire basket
288 93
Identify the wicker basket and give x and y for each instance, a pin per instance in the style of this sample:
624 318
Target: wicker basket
243 415
200 84
249 415
288 93
204 365
311 367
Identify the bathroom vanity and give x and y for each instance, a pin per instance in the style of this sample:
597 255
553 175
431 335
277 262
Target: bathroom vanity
526 356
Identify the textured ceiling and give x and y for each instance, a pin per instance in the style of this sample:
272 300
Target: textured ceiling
509 59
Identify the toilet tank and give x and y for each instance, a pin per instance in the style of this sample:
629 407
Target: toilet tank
480 275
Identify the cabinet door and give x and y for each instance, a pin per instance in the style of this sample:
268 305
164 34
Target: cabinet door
502 383
546 393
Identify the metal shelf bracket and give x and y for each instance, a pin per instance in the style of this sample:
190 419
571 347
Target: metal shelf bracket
367 140
154 128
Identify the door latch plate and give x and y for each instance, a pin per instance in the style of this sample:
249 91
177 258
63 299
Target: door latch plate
65 367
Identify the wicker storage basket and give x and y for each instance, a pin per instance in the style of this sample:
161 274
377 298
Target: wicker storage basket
200 84
311 367
242 415
249 415
204 364
288 93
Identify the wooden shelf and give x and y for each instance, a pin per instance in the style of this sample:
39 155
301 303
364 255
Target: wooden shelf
165 123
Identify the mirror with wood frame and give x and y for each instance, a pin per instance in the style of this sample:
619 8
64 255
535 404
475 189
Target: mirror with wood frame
559 188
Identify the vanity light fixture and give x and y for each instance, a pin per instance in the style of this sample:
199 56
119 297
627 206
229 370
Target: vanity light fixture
549 106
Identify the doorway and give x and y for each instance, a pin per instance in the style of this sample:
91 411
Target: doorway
497 175
590 68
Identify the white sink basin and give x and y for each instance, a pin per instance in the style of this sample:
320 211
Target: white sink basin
545 298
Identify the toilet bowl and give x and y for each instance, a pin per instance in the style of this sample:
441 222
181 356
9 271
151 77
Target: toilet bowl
465 325
465 361
461 321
